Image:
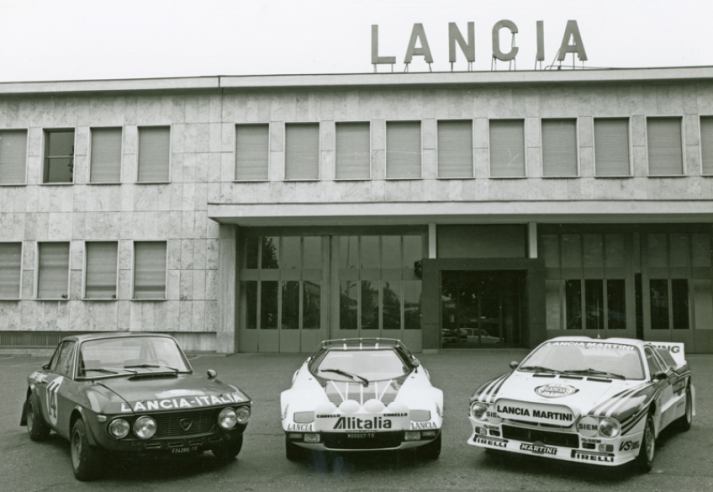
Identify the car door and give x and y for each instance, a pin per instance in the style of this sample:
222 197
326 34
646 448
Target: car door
676 405
664 400
56 388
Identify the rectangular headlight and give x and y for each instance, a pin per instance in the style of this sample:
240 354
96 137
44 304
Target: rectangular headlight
311 437
294 437
303 417
420 415
412 436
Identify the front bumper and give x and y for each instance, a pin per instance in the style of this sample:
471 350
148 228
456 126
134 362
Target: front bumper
363 441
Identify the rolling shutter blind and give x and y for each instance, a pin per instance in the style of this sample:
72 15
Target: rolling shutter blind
665 150
611 146
403 149
10 270
154 150
106 155
252 152
507 148
53 274
353 151
707 144
101 270
13 156
455 149
559 147
150 270
302 151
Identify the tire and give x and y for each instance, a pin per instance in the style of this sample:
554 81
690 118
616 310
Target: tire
645 459
37 428
229 450
684 422
293 452
431 451
86 460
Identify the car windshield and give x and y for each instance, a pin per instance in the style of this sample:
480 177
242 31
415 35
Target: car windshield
122 355
357 366
586 358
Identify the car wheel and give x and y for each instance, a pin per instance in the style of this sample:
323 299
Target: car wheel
645 460
86 459
685 421
229 450
37 428
292 451
432 450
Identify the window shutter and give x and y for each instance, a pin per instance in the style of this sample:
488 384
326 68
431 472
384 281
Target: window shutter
101 270
611 146
302 151
150 270
252 152
154 150
507 148
10 270
559 147
106 155
455 149
665 149
13 156
53 274
403 149
707 144
353 151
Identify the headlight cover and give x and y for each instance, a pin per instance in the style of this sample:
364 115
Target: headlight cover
119 428
478 410
303 417
227 418
243 414
145 427
609 427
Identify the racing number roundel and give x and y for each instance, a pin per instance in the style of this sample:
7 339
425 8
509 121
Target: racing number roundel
52 403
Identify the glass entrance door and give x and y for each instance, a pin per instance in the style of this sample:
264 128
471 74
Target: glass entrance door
481 309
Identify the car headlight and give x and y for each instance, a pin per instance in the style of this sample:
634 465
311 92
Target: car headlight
243 414
145 427
420 415
227 418
119 428
609 427
303 417
478 410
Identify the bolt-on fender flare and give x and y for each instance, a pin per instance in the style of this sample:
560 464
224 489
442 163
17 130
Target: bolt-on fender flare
80 412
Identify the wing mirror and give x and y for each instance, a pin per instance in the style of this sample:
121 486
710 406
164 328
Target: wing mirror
661 376
46 366
514 364
212 374
415 362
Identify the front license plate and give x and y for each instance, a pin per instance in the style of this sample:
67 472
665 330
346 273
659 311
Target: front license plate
186 449
365 435
538 449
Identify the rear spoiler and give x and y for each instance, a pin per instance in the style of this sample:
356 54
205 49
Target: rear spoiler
675 349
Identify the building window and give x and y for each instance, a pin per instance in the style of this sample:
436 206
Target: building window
252 152
665 146
150 270
154 154
455 149
302 151
353 159
53 271
105 165
101 270
403 149
59 156
559 148
507 148
611 146
13 156
707 144
10 270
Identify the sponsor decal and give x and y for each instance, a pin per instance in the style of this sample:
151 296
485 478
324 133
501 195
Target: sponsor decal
491 427
629 445
593 345
300 427
395 415
537 449
52 403
540 414
38 377
674 349
588 426
555 390
490 442
679 385
423 425
328 416
579 455
176 403
590 441
357 423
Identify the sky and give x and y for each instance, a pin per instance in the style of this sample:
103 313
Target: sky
109 39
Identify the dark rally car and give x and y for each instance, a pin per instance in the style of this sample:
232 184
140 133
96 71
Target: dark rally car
131 393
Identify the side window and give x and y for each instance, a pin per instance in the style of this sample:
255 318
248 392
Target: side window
667 357
653 364
64 361
53 361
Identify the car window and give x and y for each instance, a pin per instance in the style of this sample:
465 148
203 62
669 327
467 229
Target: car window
52 365
125 352
653 363
667 357
374 365
64 360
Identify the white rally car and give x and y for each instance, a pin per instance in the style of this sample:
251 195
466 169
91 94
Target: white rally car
361 395
587 400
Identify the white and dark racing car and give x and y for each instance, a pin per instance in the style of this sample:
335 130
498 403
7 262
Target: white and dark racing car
361 395
587 400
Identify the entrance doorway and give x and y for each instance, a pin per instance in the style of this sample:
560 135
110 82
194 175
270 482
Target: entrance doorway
482 309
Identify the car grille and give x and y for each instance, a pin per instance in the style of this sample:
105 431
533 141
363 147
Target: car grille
169 424
545 437
381 440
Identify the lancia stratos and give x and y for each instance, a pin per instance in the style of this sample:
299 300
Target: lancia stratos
601 402
361 395
131 394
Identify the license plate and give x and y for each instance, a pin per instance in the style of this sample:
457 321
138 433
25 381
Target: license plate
538 449
365 435
186 449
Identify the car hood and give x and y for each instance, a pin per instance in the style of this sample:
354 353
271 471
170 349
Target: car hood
168 393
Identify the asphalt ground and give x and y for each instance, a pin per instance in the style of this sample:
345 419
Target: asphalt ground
684 461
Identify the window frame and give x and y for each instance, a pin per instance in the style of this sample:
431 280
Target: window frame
27 153
371 150
85 271
386 150
319 152
45 150
170 154
121 156
630 147
684 167
36 295
22 271
524 149
133 272
578 158
438 161
700 143
269 153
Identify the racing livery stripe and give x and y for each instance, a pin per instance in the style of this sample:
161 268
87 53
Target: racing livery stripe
635 419
600 409
491 397
626 399
486 386
487 394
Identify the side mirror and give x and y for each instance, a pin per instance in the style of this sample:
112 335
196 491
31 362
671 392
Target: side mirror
212 374
415 362
661 376
46 366
514 364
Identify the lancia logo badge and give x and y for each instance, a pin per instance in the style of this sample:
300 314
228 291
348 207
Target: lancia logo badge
555 390
186 424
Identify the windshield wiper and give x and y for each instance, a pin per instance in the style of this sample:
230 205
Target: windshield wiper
539 369
365 381
150 366
591 371
99 369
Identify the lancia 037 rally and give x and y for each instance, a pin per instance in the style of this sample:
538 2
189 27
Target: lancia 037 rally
360 395
131 394
586 400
